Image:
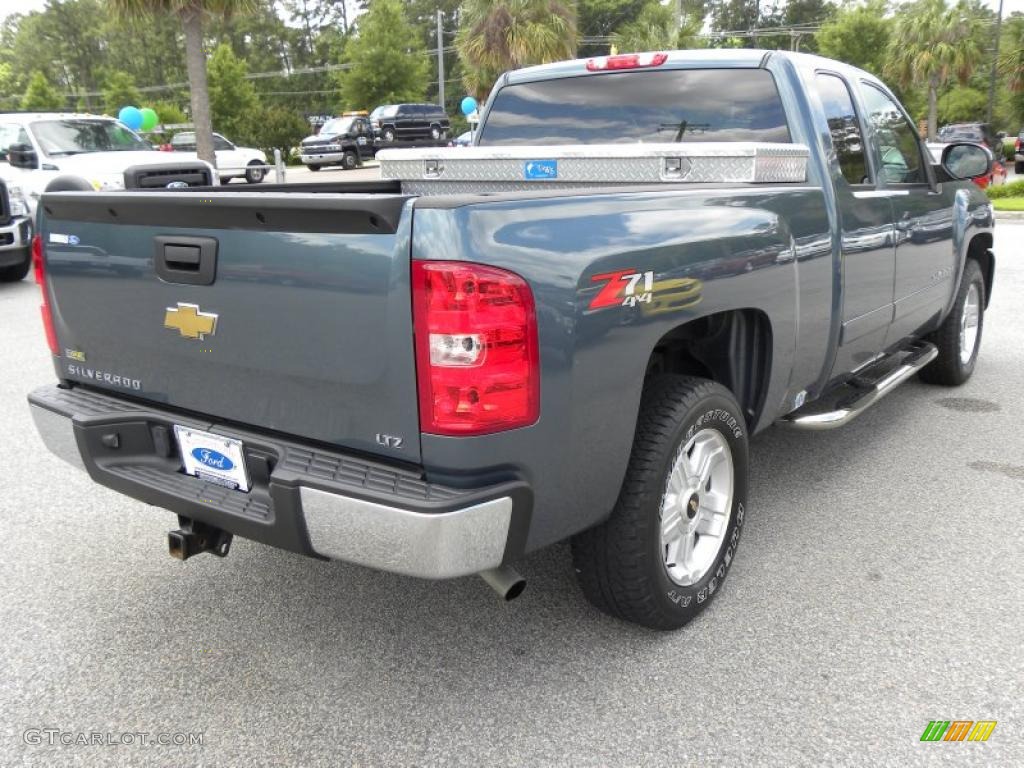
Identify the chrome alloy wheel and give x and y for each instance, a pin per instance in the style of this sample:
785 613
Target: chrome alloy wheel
969 320
696 507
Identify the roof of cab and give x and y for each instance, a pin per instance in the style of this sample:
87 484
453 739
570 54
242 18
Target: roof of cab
740 58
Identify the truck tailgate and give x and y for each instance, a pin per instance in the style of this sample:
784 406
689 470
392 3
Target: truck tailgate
285 311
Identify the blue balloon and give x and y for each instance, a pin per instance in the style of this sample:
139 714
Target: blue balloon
131 117
468 106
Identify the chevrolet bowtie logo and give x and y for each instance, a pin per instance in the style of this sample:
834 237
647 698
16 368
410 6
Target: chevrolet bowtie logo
187 320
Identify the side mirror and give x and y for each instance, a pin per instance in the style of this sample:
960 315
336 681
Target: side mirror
22 156
967 161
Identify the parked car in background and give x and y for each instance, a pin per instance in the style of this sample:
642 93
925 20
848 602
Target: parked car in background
409 122
979 133
15 234
462 140
233 162
36 148
344 141
1018 153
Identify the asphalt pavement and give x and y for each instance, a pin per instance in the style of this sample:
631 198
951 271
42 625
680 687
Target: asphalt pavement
877 587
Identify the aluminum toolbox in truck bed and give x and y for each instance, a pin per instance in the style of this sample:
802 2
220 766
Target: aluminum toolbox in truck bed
508 168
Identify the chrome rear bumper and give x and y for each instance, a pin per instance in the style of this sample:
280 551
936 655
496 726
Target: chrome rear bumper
392 520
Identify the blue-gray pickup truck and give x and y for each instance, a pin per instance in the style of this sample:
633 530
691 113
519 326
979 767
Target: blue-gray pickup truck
569 330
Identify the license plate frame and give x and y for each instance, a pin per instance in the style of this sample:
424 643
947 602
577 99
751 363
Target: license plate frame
214 458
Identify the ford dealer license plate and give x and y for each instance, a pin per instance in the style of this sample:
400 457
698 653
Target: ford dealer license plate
214 458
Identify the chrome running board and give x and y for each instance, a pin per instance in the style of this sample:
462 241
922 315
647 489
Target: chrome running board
861 392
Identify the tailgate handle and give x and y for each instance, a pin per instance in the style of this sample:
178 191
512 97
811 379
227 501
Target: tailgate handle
187 260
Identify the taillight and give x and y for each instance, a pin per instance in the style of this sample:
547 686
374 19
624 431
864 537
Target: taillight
39 270
477 362
626 61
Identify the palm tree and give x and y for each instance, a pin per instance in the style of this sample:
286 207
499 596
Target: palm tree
658 28
497 35
190 13
930 46
1011 62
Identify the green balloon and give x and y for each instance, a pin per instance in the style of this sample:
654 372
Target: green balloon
149 119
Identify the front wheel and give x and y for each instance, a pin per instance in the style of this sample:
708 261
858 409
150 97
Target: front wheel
959 336
349 160
16 272
389 135
666 548
313 168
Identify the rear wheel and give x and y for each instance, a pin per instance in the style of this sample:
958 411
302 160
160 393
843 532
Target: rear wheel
17 271
959 336
255 172
666 548
1018 167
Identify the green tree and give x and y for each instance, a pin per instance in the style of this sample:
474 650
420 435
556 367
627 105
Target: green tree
657 28
234 106
1011 57
190 14
386 63
931 46
858 36
498 35
280 128
120 91
962 105
41 96
599 19
653 29
169 113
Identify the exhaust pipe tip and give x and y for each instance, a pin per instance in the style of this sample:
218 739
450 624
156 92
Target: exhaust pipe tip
506 581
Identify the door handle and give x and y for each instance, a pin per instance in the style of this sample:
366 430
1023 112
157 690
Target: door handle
185 260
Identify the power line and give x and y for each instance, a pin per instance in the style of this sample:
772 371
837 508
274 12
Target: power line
324 68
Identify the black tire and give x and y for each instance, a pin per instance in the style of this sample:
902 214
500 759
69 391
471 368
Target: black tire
388 135
435 132
948 369
225 179
313 168
16 272
349 160
255 172
1018 167
620 564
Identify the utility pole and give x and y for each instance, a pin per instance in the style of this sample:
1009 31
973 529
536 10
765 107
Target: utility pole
440 61
995 61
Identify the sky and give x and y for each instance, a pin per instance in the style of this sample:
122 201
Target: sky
24 6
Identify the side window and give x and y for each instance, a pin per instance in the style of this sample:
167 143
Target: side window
898 145
11 133
844 127
220 143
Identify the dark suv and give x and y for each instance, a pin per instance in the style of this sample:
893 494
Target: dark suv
409 122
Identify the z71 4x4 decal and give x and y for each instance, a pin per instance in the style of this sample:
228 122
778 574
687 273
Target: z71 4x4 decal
625 288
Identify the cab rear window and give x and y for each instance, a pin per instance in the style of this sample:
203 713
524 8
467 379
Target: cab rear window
640 107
